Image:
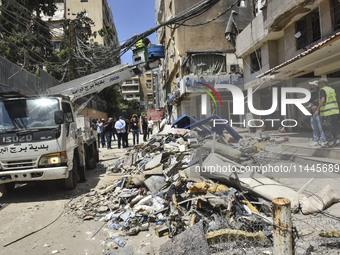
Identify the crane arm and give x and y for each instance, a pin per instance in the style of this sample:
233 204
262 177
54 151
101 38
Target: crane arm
94 83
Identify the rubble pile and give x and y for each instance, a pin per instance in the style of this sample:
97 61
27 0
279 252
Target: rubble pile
160 190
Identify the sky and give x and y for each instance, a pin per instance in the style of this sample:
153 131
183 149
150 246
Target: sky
133 17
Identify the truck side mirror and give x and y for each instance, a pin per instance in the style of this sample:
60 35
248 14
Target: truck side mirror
59 117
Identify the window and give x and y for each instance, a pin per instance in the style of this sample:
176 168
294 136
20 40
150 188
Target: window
58 1
83 0
148 74
67 112
335 7
68 116
128 82
208 64
308 29
255 61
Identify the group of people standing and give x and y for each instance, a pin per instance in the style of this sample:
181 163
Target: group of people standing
325 114
106 130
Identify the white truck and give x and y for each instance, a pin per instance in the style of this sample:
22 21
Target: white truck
41 136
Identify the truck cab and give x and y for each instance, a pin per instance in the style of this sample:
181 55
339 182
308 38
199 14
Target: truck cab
39 140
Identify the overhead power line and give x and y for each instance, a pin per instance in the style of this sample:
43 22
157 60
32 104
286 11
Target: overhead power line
186 15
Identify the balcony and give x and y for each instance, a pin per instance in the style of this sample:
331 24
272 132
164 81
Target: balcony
270 22
130 91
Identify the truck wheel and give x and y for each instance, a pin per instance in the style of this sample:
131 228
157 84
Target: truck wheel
73 175
82 173
91 161
96 154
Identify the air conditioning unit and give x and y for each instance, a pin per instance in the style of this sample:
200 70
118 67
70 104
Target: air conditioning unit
234 68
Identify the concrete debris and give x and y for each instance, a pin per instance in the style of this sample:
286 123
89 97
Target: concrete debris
317 202
155 183
115 167
155 171
191 242
155 161
178 185
224 150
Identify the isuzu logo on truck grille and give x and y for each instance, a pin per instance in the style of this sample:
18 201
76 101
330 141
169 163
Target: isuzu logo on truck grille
17 139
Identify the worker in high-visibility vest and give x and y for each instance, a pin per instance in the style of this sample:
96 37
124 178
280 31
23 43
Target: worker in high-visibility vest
145 42
329 111
139 43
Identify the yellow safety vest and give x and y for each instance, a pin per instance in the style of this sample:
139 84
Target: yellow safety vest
331 106
139 43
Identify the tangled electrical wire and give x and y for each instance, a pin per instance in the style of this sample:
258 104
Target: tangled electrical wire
189 14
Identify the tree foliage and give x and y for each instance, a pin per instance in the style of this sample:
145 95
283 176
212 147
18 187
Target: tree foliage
81 56
79 53
25 38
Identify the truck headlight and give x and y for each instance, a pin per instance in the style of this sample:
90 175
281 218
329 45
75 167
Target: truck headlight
53 159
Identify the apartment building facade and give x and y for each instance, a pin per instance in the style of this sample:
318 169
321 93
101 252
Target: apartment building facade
197 55
147 90
130 89
98 10
288 44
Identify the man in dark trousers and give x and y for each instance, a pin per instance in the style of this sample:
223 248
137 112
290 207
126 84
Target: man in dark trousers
329 111
120 127
114 131
315 121
108 127
127 129
144 128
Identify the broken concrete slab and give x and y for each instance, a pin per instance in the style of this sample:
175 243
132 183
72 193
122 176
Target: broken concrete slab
269 189
190 242
155 183
319 201
155 161
158 170
171 147
138 180
165 130
180 141
224 150
182 148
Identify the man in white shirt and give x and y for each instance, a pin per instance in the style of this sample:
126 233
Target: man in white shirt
150 126
120 127
100 133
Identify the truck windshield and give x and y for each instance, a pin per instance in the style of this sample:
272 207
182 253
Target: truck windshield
27 114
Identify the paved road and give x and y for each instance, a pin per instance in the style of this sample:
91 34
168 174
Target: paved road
38 211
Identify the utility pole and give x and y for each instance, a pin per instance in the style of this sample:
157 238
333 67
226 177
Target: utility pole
71 74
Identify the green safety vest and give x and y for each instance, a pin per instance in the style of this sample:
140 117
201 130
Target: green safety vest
331 105
139 43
